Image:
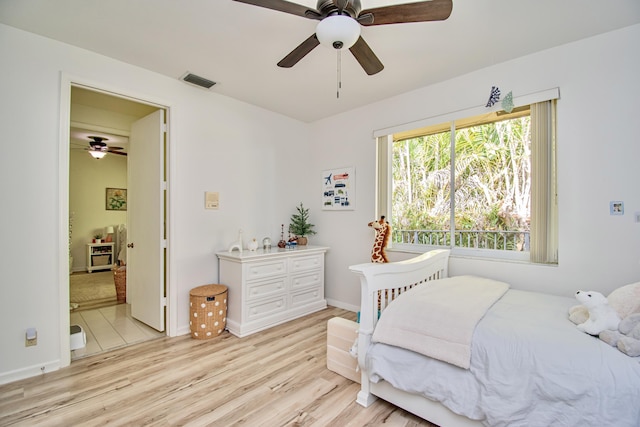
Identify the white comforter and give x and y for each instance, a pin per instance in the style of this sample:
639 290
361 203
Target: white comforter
438 319
530 366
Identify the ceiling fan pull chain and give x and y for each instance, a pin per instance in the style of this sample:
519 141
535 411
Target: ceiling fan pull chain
339 77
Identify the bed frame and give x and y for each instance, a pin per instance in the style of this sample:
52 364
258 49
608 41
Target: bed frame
380 284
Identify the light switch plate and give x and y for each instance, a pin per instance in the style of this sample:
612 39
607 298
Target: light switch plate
211 200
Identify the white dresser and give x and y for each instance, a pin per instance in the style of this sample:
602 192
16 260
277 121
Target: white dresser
270 287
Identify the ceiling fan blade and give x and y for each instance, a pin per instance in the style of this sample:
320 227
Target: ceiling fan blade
120 153
433 10
365 56
284 6
299 52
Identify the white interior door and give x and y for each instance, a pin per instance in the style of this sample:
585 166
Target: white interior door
145 221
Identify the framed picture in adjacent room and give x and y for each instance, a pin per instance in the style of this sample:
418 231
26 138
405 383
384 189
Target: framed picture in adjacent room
116 199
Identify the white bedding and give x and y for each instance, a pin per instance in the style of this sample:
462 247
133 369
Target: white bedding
530 366
438 320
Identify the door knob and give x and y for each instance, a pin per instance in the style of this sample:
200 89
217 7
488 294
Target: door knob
130 245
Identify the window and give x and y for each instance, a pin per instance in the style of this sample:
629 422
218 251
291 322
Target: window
482 185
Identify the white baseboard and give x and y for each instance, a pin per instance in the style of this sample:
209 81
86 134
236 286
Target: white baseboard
28 372
183 330
342 305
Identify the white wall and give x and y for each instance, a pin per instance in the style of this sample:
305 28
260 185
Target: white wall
216 144
598 152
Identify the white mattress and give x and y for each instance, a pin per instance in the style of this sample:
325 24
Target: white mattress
530 366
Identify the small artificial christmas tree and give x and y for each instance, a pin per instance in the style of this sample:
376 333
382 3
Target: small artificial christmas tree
300 225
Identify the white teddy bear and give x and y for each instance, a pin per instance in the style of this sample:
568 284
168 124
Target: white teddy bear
601 315
625 300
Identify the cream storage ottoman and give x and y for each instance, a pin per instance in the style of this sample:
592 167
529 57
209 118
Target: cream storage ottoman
341 335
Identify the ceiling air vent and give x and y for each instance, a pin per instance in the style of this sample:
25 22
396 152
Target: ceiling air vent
198 81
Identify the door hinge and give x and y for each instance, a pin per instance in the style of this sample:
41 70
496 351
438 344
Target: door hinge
164 301
164 243
164 127
163 185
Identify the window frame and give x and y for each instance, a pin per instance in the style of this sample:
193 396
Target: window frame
384 141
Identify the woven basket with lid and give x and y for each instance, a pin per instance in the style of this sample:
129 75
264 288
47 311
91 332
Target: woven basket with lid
208 311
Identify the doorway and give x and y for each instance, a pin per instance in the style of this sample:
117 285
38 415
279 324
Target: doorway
102 112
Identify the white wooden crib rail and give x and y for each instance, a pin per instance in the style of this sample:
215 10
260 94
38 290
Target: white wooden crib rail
380 284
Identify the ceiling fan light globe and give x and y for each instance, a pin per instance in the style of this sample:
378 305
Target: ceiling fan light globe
338 32
97 154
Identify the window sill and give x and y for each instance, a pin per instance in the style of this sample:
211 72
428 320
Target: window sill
475 254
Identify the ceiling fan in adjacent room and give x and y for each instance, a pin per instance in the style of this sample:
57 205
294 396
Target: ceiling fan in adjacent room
340 21
98 148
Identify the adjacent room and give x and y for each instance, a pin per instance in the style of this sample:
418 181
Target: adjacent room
231 198
99 133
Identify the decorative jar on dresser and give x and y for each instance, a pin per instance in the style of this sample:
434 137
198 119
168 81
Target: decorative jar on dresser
271 286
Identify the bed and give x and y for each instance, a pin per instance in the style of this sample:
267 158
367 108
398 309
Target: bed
524 364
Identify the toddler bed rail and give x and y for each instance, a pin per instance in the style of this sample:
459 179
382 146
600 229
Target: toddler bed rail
381 284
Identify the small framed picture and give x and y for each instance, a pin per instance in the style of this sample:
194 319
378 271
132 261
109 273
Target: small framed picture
616 208
116 199
339 189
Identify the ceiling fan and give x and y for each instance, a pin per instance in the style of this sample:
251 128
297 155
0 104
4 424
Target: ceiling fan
98 148
340 21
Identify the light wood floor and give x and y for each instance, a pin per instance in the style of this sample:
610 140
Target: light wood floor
109 328
273 378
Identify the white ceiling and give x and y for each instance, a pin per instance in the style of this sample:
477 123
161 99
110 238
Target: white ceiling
238 45
102 126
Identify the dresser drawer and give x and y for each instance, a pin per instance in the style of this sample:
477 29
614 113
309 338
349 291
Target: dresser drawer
306 280
266 269
266 288
306 297
304 263
258 310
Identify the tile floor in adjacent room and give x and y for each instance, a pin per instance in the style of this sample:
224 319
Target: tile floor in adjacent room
108 328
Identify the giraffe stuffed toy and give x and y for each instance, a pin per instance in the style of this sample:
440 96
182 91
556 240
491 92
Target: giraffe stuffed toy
383 233
378 255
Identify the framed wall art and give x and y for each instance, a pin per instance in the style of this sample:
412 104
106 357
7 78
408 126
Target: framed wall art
616 208
339 189
116 199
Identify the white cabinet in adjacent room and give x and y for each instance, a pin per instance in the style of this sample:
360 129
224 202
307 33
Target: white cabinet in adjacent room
99 256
